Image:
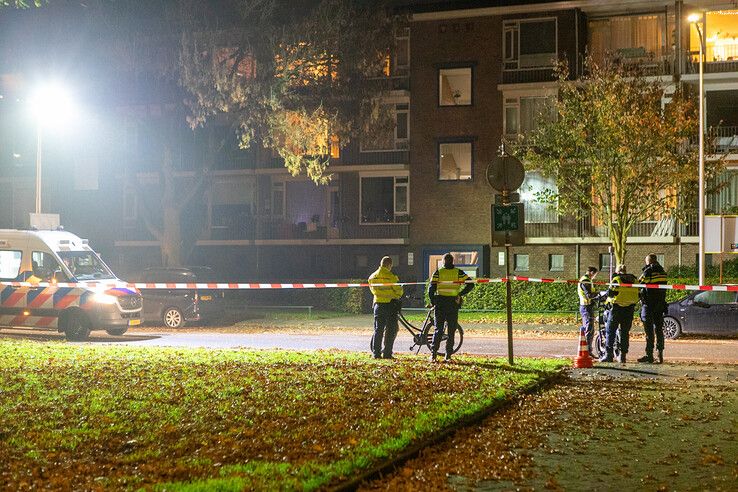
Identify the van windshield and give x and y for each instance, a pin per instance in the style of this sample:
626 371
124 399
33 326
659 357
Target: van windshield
85 265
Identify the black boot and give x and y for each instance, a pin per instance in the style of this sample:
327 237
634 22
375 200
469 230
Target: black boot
648 358
622 358
607 357
661 356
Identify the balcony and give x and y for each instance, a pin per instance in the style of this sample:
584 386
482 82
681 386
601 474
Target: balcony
522 76
720 140
588 227
718 59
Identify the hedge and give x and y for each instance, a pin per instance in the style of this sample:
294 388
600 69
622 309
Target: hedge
349 300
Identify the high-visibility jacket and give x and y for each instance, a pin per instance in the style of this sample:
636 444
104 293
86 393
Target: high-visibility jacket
438 285
384 293
623 296
653 274
585 290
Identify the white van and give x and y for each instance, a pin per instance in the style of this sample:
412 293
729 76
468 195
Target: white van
95 303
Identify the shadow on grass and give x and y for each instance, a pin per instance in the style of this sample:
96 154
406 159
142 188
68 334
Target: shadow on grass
500 365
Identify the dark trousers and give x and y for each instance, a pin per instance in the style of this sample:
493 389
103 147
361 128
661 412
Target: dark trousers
653 324
587 313
620 317
385 326
447 312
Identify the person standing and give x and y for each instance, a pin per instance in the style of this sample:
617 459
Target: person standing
653 307
446 297
587 294
624 300
386 308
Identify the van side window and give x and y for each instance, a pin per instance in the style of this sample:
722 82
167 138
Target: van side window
44 265
10 263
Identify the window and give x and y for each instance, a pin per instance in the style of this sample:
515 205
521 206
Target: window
362 261
385 199
402 49
524 114
716 297
277 201
538 212
391 131
501 258
521 263
455 161
455 86
529 43
10 262
605 262
556 263
660 259
395 260
231 203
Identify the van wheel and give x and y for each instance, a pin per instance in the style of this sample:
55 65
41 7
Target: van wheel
116 332
173 318
77 327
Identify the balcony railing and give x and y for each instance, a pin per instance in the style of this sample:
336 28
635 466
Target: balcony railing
718 59
588 227
720 140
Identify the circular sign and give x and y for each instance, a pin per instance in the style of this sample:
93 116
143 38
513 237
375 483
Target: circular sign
505 173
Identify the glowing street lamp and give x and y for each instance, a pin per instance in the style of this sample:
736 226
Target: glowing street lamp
51 106
698 19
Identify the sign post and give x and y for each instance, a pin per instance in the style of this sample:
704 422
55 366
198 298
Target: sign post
505 174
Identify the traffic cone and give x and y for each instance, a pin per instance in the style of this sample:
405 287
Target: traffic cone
583 360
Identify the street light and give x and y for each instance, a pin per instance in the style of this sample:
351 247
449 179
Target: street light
696 19
51 105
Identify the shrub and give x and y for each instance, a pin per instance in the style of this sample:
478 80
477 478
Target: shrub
351 300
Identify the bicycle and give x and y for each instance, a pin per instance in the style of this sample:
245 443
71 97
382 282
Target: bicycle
423 336
601 339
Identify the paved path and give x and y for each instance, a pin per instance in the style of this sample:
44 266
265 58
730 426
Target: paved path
721 351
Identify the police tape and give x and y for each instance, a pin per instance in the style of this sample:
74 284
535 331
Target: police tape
322 285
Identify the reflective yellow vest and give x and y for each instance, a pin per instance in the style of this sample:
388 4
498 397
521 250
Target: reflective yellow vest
384 293
583 299
624 296
449 275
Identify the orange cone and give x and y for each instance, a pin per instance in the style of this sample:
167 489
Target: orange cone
583 360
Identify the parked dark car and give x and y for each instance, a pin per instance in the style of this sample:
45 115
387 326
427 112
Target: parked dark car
708 312
175 307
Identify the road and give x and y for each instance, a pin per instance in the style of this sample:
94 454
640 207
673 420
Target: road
719 351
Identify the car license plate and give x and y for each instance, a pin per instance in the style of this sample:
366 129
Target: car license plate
133 322
206 298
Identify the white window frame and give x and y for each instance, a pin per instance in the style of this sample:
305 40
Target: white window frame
512 26
399 143
277 184
439 77
551 265
402 34
515 262
380 174
511 99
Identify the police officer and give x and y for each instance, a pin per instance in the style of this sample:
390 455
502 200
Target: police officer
653 308
587 294
446 297
386 307
624 300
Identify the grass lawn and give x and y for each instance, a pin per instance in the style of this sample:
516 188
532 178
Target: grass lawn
104 417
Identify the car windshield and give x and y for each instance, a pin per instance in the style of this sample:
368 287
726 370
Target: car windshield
85 265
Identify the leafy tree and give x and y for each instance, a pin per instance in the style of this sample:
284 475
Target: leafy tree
295 76
619 149
22 4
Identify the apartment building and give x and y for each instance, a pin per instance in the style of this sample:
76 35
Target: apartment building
464 76
483 73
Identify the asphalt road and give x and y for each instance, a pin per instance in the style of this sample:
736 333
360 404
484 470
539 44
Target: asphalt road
719 351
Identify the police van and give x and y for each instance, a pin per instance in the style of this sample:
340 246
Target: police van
95 300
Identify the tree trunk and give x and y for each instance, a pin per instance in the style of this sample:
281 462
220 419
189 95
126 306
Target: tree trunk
171 238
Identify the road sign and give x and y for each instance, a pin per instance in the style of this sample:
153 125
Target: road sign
505 173
505 217
508 225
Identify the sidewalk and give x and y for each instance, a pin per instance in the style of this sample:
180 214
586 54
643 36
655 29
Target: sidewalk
673 426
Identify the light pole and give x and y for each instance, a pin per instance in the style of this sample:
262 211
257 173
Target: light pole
696 19
50 105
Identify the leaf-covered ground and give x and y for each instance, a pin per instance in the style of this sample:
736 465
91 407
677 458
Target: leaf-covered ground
671 427
85 417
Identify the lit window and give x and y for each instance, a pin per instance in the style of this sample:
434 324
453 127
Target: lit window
455 161
455 86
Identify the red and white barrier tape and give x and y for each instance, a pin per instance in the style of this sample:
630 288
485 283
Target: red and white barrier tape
256 286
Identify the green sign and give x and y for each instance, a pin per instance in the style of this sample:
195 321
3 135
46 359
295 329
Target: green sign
505 218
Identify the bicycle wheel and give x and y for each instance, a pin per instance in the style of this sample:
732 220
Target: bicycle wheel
458 340
600 343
